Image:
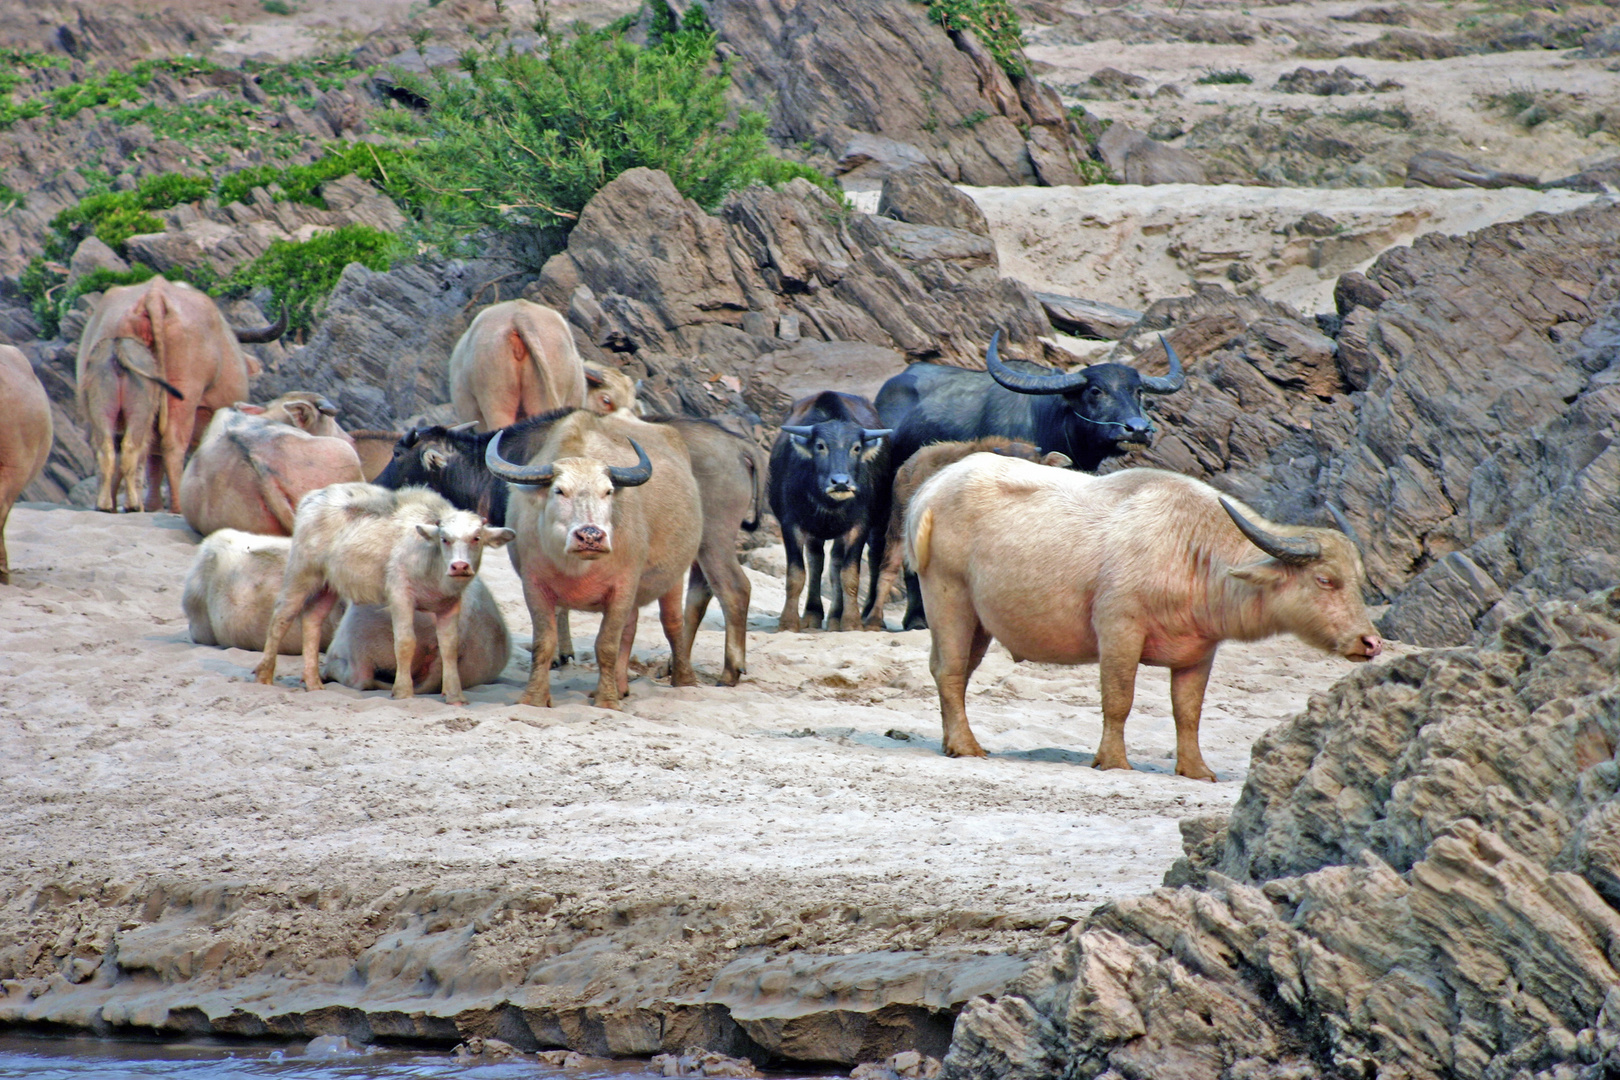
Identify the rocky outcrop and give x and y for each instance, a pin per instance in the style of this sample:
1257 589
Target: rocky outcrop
1440 169
876 86
1136 159
501 970
1421 879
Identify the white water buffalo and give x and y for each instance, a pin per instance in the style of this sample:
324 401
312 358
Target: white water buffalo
1138 567
231 588
516 360
193 354
25 436
256 461
609 390
409 550
594 536
362 650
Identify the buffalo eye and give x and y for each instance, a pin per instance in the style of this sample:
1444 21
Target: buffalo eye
1326 582
821 448
474 540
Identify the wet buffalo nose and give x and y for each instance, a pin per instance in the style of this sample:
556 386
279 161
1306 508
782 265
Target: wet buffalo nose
839 479
1139 425
1373 644
460 566
590 534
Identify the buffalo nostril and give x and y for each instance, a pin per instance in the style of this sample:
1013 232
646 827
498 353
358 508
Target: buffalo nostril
1373 643
590 534
460 567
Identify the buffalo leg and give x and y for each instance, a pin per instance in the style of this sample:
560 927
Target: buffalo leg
295 597
680 646
1121 653
698 595
883 581
133 455
916 617
877 548
543 616
314 614
815 566
610 647
794 545
176 441
847 572
1187 704
627 644
107 466
448 624
954 654
719 572
565 640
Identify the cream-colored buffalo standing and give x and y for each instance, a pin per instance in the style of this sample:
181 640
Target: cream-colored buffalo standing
25 436
516 360
362 651
1138 567
194 353
256 461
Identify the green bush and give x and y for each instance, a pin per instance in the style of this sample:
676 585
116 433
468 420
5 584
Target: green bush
993 22
115 216
524 140
300 275
381 166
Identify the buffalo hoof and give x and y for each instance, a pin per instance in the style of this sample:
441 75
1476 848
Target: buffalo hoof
561 660
1199 771
875 624
788 623
969 748
455 701
538 700
396 693
917 623
729 677
1111 762
811 621
265 673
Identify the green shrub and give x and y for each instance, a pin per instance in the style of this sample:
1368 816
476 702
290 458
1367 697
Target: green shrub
993 22
381 166
50 297
1232 77
525 140
15 67
115 216
278 7
300 275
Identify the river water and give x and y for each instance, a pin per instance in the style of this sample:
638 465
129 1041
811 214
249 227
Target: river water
100 1059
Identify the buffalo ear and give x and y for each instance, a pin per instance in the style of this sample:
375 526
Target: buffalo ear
1263 575
434 460
1058 460
249 408
428 532
303 413
497 537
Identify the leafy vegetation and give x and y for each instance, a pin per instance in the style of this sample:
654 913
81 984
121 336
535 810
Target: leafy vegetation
1231 77
115 216
300 275
382 166
16 68
1397 117
523 141
993 22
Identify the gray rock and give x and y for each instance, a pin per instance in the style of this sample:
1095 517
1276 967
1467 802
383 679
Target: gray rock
921 197
1088 318
92 254
1419 876
1439 169
1602 177
1136 159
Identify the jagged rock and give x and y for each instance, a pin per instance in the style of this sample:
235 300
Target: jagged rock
879 86
909 1065
481 1050
1341 80
921 197
1417 881
1088 318
1354 290
1119 83
1439 169
1406 45
92 254
1602 177
696 1061
1136 159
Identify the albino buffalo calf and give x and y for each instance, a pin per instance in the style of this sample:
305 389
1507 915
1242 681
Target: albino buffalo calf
1138 567
362 652
231 590
25 436
408 550
609 390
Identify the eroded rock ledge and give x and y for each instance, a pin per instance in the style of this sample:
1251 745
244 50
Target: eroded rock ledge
1421 879
530 966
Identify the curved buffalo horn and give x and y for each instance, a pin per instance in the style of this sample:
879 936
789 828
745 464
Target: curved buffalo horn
1344 525
1285 549
465 425
325 407
593 377
268 333
526 475
1029 384
874 434
1166 384
803 431
635 475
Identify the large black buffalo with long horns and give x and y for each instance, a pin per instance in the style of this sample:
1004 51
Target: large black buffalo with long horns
1091 415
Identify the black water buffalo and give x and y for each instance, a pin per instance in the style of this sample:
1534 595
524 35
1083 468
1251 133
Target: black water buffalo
1090 415
828 476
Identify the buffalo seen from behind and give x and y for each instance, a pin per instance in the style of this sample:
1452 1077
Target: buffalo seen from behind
828 482
1139 567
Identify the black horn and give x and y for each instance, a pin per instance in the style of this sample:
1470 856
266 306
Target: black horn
264 334
1029 384
526 475
1294 550
803 431
636 475
1166 384
874 434
1344 525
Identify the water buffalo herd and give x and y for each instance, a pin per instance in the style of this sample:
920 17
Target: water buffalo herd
977 483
